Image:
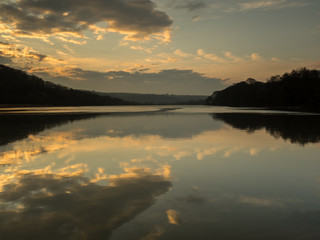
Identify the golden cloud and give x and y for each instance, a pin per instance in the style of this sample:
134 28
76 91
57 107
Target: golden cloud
136 19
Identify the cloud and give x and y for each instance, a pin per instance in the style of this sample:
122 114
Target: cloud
5 44
275 59
137 19
148 50
261 4
21 56
265 5
180 53
165 81
255 56
11 51
209 56
227 57
192 6
68 40
161 58
234 58
4 60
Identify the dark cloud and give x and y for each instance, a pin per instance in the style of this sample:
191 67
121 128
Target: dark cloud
192 6
166 81
137 17
53 207
4 60
4 43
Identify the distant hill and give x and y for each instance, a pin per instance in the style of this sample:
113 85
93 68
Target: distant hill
159 98
17 87
298 90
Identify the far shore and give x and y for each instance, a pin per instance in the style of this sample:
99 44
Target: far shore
22 105
289 109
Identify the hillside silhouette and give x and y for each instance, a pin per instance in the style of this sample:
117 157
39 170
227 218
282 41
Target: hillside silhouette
17 87
298 90
160 99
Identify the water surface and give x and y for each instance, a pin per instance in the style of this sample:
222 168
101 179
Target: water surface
153 172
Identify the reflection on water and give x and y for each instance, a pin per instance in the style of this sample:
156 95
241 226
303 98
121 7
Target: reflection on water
50 206
15 127
160 175
300 129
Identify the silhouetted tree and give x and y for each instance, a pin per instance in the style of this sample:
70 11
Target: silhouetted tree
17 87
298 90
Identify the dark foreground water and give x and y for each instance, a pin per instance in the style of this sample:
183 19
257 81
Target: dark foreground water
143 174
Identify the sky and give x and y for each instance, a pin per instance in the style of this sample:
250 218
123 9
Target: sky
159 46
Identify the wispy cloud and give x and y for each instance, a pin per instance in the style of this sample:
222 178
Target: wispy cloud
21 55
11 51
209 56
232 57
275 59
255 56
148 50
68 40
180 53
266 5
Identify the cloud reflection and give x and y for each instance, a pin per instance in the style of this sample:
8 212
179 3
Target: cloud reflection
16 127
30 148
52 206
260 201
173 217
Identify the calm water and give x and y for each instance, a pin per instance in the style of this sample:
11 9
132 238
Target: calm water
147 173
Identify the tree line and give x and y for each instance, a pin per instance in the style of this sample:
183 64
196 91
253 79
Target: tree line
298 90
18 87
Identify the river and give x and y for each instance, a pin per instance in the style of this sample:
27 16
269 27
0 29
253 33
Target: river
159 172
